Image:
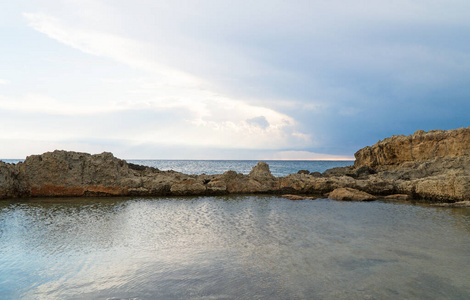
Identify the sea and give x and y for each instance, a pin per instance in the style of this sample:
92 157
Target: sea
232 247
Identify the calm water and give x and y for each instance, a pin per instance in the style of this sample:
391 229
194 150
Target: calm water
237 247
277 167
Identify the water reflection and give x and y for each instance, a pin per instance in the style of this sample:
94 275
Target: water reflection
231 247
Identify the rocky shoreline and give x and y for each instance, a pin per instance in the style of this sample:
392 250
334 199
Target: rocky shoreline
432 166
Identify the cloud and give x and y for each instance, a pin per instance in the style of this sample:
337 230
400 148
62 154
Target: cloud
34 103
203 117
4 82
307 155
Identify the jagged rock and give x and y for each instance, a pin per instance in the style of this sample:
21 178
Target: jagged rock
261 171
349 194
303 172
315 174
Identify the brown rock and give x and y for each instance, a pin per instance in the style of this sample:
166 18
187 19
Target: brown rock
400 197
188 187
261 171
349 194
455 204
11 183
449 187
420 146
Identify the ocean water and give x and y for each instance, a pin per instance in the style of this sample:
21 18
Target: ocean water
277 167
232 247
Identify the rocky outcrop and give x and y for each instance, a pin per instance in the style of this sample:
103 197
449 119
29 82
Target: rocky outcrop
434 166
419 147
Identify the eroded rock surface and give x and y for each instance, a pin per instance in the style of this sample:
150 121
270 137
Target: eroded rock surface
419 147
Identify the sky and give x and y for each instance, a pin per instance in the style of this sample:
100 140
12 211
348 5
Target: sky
150 79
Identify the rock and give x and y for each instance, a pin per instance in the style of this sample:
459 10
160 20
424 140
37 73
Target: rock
455 204
351 171
421 146
315 174
399 197
349 194
64 173
11 183
363 171
261 171
340 171
188 187
443 188
297 197
303 172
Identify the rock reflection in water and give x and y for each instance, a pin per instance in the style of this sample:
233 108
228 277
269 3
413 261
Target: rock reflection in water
231 247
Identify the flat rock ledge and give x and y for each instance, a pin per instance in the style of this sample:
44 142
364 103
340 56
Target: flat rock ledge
432 166
455 204
349 194
298 197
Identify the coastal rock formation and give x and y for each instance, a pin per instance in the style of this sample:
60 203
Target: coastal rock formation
62 173
419 147
434 166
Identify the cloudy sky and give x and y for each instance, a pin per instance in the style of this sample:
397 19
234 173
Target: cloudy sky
229 79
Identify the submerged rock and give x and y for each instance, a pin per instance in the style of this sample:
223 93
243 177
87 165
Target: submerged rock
399 197
455 204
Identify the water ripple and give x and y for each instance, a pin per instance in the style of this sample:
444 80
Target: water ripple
234 247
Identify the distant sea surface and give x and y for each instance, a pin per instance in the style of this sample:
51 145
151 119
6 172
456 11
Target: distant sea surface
278 167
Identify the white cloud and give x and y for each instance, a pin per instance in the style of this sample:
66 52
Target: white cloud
307 155
34 103
4 82
205 118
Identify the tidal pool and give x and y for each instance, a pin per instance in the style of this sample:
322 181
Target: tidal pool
236 247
